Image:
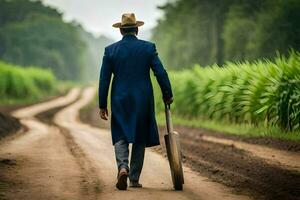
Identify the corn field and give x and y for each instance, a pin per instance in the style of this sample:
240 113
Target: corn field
262 92
18 83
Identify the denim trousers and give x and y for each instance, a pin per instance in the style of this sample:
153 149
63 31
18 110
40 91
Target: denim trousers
136 161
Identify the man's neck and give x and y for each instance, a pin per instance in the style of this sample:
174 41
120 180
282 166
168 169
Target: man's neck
130 34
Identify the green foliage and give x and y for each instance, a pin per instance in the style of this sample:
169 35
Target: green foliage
33 34
238 31
25 83
261 93
208 32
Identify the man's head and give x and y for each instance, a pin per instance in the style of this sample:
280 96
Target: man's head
129 25
129 31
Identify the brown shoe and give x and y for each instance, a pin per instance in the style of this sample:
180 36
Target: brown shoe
122 179
135 184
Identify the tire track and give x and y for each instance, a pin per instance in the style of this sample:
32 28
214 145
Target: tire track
91 184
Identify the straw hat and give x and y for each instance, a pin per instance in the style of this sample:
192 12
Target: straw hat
128 21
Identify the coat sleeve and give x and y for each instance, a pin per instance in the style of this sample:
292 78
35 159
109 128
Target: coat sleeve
104 82
161 74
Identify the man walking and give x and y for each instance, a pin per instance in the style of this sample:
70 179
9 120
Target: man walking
132 102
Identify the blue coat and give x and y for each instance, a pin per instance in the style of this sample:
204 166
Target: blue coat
132 100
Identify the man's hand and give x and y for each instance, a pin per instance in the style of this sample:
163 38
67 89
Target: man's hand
103 114
169 101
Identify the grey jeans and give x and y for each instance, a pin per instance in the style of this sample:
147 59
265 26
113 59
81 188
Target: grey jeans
136 161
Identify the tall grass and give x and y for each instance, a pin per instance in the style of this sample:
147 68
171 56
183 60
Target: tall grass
261 93
22 84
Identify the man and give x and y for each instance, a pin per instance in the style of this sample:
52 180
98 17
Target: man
132 102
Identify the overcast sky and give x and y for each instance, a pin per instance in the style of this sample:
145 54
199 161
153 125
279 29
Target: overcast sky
97 16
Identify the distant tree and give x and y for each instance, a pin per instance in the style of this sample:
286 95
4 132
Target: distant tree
33 34
238 30
93 55
278 29
208 32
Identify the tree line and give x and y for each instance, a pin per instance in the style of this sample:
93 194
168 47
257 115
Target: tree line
34 34
215 31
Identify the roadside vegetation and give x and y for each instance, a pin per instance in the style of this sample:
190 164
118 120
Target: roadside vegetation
19 84
256 99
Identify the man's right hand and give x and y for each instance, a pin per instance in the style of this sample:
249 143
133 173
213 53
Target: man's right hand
169 100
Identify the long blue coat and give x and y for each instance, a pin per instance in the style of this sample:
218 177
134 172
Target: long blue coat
132 101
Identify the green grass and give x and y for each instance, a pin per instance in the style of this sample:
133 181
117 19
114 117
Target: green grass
246 130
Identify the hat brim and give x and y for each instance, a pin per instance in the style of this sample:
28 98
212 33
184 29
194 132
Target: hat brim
119 25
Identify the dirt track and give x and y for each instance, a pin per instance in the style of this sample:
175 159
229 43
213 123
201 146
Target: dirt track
71 160
238 168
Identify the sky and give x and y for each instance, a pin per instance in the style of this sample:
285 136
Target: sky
97 16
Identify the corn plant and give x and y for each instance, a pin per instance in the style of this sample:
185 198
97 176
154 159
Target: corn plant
261 92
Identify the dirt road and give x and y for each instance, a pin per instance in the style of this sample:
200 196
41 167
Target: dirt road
35 164
71 160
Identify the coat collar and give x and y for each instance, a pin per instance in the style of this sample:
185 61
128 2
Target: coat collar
129 37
